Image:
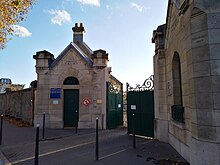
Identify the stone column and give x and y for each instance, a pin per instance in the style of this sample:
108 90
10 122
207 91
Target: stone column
43 61
100 58
160 87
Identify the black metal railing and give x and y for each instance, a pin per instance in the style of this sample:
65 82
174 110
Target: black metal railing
147 85
177 113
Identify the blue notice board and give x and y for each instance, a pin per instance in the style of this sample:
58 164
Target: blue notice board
55 93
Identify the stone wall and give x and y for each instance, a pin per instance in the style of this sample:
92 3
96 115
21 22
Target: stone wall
18 104
187 71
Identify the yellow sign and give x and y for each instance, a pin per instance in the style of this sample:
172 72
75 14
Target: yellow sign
99 101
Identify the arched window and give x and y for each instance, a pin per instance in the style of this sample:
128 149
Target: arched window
177 86
177 108
71 81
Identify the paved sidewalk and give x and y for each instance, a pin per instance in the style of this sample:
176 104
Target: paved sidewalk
14 135
18 145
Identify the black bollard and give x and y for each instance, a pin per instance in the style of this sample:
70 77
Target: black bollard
134 140
97 141
76 122
37 146
1 131
43 130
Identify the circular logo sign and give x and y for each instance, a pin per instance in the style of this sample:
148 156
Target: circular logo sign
86 101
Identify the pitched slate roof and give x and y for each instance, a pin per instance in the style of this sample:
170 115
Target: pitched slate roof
88 48
72 45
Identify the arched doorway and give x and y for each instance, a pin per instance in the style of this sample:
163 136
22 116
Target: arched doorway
71 103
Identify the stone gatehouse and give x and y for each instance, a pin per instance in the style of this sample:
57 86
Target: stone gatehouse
187 76
72 88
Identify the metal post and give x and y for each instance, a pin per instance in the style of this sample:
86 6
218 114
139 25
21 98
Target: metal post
134 141
1 131
37 146
43 131
97 141
76 122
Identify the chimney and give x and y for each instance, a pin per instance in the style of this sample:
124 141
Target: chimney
78 33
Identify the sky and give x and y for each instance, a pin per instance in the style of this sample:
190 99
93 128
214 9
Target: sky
123 28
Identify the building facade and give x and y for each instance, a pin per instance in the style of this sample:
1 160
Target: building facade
186 77
4 83
71 89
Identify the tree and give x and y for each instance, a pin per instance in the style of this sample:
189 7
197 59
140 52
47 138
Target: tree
11 13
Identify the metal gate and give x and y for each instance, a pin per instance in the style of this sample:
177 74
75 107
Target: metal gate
140 108
114 106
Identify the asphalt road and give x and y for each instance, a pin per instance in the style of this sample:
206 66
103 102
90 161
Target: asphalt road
115 147
64 147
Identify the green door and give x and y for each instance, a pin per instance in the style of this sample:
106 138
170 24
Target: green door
119 109
114 108
71 107
111 113
140 112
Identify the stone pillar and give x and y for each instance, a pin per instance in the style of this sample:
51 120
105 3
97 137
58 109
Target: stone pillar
160 98
160 88
43 61
100 58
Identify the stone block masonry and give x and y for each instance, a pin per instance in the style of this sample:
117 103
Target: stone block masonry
18 104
